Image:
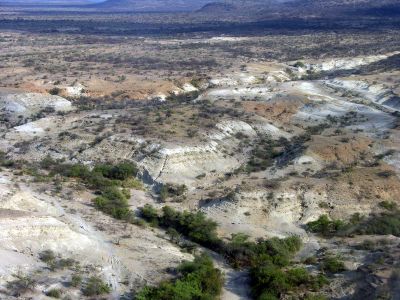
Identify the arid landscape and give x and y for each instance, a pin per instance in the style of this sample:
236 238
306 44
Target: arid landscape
228 150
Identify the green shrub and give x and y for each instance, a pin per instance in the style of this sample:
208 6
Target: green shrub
194 226
269 273
65 263
102 175
149 213
173 235
197 280
54 91
325 226
323 205
47 256
269 281
383 224
76 280
391 206
333 264
164 193
114 202
132 183
366 245
121 171
54 293
95 287
312 260
298 276
21 284
299 64
78 171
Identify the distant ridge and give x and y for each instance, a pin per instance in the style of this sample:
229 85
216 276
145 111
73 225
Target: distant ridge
46 2
153 5
218 7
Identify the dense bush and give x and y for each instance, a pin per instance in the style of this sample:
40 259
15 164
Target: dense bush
269 260
325 226
381 224
197 280
22 284
241 253
120 171
269 281
102 175
333 264
114 202
194 226
95 287
386 223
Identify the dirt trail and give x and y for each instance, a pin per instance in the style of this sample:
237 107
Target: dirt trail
236 286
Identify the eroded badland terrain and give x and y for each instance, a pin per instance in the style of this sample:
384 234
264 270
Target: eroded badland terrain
278 137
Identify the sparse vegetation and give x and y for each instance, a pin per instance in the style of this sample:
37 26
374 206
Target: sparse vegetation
76 280
132 69
47 256
169 190
333 264
266 258
55 262
388 205
22 284
263 155
54 293
95 286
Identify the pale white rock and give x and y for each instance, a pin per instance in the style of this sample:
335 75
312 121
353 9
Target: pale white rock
347 63
376 93
75 91
30 103
187 87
